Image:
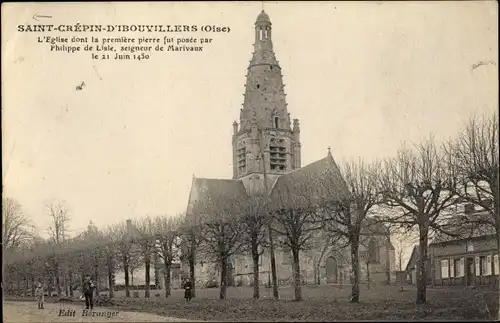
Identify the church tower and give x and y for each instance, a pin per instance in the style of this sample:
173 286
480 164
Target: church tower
265 140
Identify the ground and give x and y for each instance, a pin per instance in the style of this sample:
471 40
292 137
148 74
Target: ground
321 303
23 312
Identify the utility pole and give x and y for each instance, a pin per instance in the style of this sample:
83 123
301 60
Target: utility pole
269 225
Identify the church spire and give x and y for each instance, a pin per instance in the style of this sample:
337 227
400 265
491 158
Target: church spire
264 100
265 127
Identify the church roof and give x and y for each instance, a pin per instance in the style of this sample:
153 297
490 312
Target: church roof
315 183
263 17
217 191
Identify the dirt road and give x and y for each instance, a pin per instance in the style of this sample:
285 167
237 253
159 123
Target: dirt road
21 312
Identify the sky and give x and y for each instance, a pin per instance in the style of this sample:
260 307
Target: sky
362 78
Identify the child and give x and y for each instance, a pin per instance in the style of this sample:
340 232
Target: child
39 295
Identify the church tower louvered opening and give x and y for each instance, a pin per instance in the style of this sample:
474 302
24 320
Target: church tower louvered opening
265 135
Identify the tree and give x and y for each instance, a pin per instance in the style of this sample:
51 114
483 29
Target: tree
346 218
122 240
254 221
168 234
418 187
222 229
59 214
191 238
473 157
16 227
147 245
296 221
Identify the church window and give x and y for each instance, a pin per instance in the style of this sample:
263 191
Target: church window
373 252
276 122
258 86
260 34
277 154
241 157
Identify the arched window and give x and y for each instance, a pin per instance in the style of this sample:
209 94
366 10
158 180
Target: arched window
373 252
276 122
260 34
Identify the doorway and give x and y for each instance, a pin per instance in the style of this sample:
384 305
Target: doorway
469 271
331 270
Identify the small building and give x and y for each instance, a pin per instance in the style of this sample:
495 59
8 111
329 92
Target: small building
411 271
467 262
469 259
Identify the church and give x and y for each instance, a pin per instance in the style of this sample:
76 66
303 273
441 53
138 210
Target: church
267 155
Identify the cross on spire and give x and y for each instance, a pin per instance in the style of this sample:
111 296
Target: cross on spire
329 150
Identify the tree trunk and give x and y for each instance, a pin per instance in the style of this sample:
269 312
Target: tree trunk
126 269
368 274
296 275
157 277
147 263
167 278
96 277
70 282
223 278
422 267
255 258
315 271
32 285
388 261
192 276
111 283
58 281
355 271
66 291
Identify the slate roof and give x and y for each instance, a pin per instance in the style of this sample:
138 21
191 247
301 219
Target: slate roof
315 183
217 191
413 259
466 226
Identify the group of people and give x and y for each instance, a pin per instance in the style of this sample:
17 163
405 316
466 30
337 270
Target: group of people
88 288
87 293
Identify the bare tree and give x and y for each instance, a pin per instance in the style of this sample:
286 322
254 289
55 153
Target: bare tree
123 242
59 214
147 243
222 231
417 186
254 220
168 234
296 221
345 218
58 211
17 229
191 236
473 157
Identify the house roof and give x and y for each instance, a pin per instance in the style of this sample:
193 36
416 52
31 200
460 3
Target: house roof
315 183
467 226
413 258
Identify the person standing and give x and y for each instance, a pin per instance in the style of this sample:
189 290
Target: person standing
88 292
187 290
39 295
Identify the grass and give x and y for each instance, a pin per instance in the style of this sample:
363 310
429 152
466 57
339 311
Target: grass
321 303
